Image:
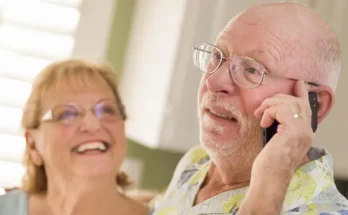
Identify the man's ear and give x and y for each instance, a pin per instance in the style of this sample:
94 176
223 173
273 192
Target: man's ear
31 146
326 99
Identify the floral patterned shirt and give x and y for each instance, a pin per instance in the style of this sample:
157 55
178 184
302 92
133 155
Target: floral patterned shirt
311 191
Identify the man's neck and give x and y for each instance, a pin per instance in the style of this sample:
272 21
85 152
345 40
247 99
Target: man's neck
231 172
222 177
225 175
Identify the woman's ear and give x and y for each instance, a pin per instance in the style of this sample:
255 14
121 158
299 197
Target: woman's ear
31 146
326 99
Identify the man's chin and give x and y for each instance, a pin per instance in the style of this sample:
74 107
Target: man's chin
240 140
220 133
233 145
215 144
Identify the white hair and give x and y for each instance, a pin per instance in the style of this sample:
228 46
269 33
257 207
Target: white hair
328 62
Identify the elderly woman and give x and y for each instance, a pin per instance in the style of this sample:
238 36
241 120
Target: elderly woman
75 145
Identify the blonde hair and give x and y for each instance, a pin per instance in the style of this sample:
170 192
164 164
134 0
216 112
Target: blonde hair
68 71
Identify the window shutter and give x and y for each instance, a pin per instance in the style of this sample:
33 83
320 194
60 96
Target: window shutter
33 33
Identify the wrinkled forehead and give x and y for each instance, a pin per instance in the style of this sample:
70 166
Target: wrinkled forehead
251 32
239 38
253 41
269 42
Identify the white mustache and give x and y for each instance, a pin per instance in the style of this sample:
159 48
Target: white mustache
208 99
245 122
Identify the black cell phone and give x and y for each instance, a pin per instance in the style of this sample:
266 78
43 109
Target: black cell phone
272 130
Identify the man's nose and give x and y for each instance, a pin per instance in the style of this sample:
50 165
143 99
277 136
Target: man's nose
221 80
90 123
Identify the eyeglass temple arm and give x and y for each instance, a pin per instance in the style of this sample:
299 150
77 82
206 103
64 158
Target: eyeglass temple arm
293 79
313 84
224 58
199 49
47 116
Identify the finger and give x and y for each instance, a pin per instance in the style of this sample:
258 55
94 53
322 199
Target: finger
268 117
282 95
284 114
301 89
267 103
275 100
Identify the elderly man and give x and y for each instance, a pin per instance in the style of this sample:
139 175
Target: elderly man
260 69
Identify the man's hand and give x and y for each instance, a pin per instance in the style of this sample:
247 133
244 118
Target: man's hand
284 153
287 149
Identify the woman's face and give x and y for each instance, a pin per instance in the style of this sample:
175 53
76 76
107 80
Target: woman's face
88 147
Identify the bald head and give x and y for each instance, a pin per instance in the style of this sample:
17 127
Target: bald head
292 36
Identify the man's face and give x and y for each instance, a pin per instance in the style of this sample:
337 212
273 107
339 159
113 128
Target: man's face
227 122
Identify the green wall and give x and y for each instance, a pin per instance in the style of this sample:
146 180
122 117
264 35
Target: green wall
158 165
120 31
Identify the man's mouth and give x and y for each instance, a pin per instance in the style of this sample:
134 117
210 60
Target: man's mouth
98 146
221 115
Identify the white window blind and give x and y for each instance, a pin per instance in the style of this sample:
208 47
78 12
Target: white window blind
33 33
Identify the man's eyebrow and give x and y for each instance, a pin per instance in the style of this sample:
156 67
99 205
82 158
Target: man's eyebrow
254 53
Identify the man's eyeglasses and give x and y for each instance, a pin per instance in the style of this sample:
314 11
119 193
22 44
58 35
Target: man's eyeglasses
106 111
245 72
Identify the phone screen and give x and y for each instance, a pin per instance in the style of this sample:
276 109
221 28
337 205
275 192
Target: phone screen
272 130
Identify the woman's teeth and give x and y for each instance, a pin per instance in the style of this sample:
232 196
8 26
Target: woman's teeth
91 146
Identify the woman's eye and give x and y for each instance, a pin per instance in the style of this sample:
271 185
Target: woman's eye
109 110
67 115
106 110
